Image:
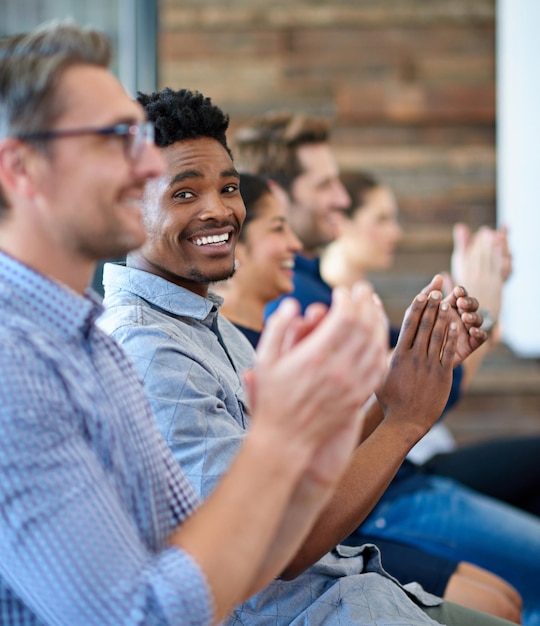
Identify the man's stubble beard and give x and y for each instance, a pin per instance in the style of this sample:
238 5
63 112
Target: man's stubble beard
204 278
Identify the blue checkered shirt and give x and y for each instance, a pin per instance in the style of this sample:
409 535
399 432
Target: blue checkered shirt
89 492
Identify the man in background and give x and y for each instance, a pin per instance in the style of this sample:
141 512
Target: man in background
295 151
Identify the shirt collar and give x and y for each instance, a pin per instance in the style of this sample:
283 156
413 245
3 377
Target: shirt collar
48 303
158 291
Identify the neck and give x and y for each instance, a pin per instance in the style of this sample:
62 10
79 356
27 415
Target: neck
312 253
241 306
336 270
73 272
138 261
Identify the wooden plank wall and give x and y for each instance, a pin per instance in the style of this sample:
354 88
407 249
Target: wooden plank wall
410 89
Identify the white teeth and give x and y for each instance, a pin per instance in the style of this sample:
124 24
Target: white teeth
289 265
212 239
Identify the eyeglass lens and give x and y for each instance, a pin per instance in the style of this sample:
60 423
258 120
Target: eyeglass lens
137 136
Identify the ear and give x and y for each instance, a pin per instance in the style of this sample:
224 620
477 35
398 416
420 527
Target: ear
16 160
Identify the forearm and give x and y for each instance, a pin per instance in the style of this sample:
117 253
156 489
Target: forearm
372 468
473 362
413 393
234 535
84 537
307 503
371 416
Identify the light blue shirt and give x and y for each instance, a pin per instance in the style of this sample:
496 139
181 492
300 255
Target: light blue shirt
191 361
89 492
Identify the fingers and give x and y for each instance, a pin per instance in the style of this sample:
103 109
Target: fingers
364 338
506 255
428 329
249 380
472 319
458 292
274 335
343 348
461 235
432 326
411 321
315 312
449 347
436 284
466 303
384 322
442 343
302 327
477 337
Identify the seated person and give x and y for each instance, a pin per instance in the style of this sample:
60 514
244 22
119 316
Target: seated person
264 265
192 360
507 469
99 524
295 151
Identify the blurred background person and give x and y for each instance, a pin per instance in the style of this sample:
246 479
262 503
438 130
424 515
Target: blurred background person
264 271
264 257
507 469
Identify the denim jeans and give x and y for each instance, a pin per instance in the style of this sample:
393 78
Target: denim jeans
451 520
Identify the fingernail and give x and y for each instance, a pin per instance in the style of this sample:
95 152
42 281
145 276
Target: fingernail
288 306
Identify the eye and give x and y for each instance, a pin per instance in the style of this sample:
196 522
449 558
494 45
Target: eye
183 195
326 184
230 188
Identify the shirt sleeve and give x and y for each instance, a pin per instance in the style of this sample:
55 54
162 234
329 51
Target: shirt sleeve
71 551
200 415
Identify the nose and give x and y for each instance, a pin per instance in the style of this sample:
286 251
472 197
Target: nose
294 244
215 208
342 199
149 163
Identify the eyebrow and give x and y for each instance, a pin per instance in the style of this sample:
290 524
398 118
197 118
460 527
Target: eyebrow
126 120
187 174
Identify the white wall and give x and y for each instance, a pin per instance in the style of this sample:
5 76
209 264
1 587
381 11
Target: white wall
518 167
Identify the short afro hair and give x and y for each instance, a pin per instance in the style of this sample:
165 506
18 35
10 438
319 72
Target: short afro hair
184 114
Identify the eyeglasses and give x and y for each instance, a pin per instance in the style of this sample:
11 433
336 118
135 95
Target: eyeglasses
135 136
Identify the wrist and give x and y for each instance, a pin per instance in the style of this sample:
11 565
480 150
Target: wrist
403 430
489 323
277 452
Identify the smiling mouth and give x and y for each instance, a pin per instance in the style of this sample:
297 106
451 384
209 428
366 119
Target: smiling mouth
211 240
288 264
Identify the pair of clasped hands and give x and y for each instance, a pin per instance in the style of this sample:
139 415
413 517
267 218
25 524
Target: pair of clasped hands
314 373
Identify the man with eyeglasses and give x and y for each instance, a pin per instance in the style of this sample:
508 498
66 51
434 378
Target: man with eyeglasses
99 524
133 136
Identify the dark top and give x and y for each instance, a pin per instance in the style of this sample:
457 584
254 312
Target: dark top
251 335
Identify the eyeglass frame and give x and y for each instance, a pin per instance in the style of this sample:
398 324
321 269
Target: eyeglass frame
134 135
